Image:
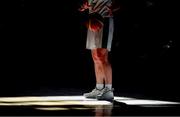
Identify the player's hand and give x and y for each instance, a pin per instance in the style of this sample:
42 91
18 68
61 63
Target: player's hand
84 6
95 25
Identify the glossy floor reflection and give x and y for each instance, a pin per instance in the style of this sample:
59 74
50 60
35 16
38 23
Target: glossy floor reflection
78 105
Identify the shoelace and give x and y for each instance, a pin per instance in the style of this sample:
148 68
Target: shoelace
105 90
94 90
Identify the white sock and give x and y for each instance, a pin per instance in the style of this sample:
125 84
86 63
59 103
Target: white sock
109 86
99 86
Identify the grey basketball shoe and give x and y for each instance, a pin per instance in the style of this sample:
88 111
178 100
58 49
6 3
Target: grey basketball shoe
106 94
93 94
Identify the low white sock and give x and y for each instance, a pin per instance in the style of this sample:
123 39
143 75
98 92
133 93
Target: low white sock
99 86
109 86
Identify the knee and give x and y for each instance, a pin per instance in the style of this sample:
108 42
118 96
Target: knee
100 57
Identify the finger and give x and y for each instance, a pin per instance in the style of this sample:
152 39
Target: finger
116 9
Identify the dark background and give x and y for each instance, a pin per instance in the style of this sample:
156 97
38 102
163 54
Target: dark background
43 46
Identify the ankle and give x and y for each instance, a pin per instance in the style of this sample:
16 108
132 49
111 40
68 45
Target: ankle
109 86
99 86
